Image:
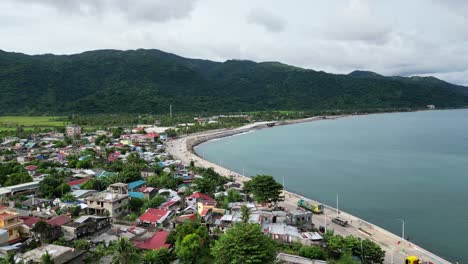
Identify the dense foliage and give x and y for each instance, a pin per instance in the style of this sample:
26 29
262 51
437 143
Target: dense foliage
265 189
149 81
244 243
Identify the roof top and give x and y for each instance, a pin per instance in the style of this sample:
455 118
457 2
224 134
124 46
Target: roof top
83 218
157 241
154 215
199 195
59 220
135 184
168 204
77 182
31 167
139 195
187 217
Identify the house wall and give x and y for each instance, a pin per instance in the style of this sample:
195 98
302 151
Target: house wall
116 208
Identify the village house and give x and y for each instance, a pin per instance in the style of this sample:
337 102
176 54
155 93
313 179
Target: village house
299 218
148 192
59 254
85 225
113 202
198 197
73 130
154 217
157 241
10 221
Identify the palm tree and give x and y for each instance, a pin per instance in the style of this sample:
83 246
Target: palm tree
124 252
47 258
245 214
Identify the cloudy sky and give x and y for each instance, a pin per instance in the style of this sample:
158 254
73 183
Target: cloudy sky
398 37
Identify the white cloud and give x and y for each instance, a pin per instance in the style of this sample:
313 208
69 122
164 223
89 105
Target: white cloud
269 21
388 37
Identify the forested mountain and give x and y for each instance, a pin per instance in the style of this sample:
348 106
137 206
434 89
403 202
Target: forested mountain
148 81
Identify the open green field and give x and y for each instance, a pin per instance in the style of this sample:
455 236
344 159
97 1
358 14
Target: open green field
29 122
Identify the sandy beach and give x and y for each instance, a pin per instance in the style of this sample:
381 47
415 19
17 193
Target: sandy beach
396 249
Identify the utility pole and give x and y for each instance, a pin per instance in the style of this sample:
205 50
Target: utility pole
284 186
170 111
337 208
402 228
325 221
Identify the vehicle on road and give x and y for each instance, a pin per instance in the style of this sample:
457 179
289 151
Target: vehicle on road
315 208
340 221
415 260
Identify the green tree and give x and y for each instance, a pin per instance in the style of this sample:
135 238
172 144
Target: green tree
188 249
312 252
372 252
18 178
135 204
124 252
44 231
161 256
347 258
47 258
205 185
68 197
171 132
9 259
265 189
245 214
244 243
155 202
81 244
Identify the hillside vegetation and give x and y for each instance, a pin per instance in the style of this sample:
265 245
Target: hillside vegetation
148 81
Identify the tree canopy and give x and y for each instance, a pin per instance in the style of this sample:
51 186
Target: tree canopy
244 243
265 189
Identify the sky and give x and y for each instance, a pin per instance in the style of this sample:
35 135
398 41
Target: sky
397 37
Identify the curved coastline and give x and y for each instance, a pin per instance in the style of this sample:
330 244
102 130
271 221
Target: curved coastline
396 249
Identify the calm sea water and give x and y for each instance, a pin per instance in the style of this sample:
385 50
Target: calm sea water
412 166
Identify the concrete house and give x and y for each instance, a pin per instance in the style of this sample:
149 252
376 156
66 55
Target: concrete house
299 218
85 225
10 222
112 202
73 130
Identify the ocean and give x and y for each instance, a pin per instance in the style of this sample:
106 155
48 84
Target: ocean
384 167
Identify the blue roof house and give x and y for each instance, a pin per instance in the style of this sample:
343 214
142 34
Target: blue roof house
136 184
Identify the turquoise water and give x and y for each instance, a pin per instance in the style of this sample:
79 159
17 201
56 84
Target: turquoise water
412 166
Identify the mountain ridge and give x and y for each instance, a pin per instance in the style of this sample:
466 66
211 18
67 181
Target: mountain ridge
149 80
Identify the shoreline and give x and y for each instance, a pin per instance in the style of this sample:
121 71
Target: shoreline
184 149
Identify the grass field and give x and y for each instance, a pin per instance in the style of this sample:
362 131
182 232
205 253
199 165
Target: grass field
28 122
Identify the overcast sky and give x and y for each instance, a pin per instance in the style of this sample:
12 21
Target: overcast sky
397 37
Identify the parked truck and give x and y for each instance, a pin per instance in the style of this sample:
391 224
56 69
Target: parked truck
315 208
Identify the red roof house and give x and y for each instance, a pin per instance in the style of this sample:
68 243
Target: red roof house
198 197
157 241
154 216
59 220
187 217
170 205
31 167
29 221
77 182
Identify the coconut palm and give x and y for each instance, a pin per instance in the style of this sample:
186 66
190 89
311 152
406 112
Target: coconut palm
124 252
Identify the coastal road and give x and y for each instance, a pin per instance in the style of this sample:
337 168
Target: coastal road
395 248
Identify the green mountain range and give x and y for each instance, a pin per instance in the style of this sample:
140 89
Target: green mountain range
148 81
